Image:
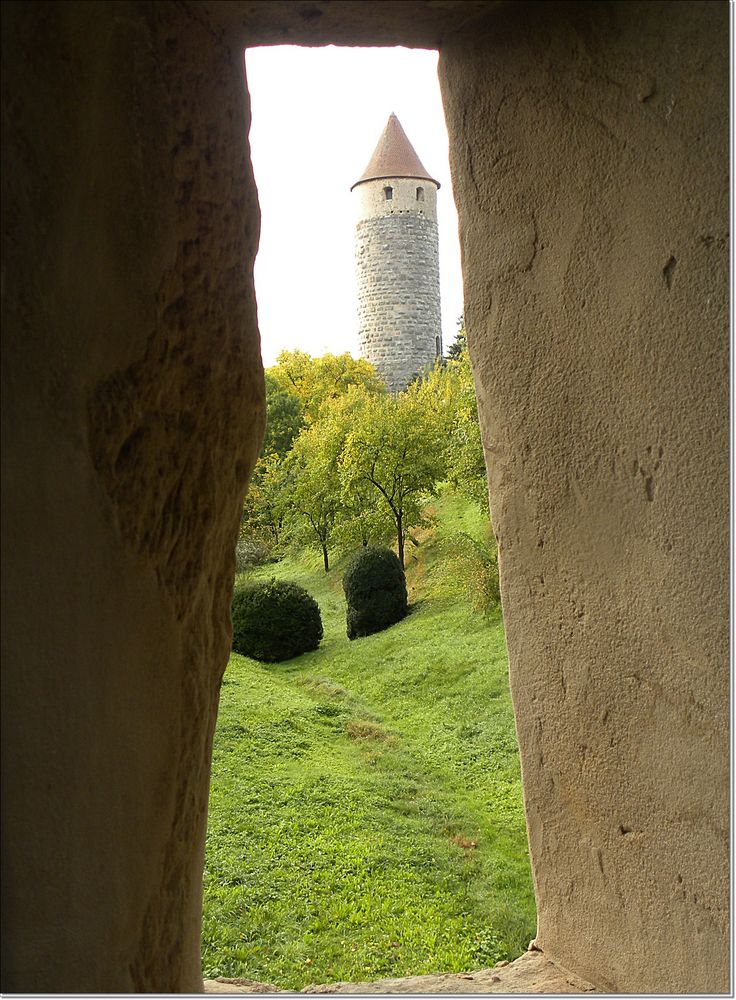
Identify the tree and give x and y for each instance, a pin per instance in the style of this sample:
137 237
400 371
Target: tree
361 520
267 501
393 448
284 418
459 345
322 512
316 492
466 462
460 342
315 380
449 391
302 495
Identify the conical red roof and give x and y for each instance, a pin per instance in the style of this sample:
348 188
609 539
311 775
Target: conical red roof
394 156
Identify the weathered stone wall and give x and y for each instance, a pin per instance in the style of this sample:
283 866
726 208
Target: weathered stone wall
131 416
589 154
397 259
590 158
371 202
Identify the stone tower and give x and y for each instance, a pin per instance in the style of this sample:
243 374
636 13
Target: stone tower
396 245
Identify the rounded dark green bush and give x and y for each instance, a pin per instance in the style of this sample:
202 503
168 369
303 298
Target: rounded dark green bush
375 591
274 620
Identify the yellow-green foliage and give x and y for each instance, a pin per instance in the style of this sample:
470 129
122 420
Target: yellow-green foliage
315 380
476 562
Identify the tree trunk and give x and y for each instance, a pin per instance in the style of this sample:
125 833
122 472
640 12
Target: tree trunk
326 560
400 538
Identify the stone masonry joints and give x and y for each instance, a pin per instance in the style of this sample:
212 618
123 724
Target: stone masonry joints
397 258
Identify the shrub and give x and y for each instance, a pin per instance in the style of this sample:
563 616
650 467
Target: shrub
250 552
275 621
375 591
477 563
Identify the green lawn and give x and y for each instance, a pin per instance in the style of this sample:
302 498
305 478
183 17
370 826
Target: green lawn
365 813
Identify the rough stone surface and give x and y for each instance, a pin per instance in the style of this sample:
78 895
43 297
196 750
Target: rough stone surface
132 412
414 23
397 260
224 985
589 146
532 973
594 232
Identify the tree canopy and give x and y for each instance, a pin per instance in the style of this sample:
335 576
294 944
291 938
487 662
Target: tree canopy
395 448
284 417
315 500
346 464
449 390
315 380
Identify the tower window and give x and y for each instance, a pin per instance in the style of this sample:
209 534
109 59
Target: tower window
389 193
437 345
420 194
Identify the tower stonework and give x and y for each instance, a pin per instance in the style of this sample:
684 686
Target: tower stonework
397 257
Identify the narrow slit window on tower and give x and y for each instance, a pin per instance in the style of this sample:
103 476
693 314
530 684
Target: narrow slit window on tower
389 192
437 346
420 194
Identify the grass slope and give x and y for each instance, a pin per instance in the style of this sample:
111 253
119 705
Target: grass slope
365 812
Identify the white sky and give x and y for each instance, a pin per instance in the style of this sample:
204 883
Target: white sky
317 116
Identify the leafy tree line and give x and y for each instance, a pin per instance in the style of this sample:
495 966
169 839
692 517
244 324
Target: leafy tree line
344 463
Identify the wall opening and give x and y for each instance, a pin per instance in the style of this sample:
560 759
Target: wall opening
351 808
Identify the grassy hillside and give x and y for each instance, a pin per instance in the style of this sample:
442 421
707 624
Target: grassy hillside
365 813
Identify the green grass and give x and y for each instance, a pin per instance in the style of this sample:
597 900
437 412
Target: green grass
365 812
